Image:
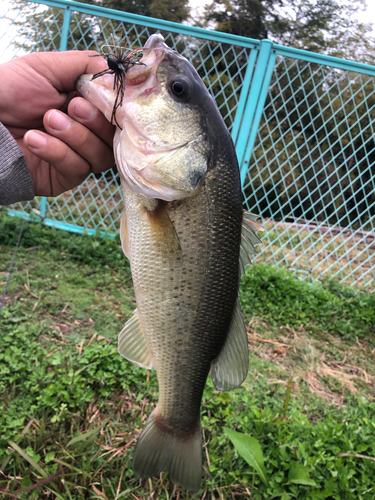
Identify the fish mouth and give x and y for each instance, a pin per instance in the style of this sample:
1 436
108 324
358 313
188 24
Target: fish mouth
146 68
140 79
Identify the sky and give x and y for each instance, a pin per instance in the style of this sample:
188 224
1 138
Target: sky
369 15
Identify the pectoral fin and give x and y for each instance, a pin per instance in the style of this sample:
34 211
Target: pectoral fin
164 230
249 238
230 368
132 344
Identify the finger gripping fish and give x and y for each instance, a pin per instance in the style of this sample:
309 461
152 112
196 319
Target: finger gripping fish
188 240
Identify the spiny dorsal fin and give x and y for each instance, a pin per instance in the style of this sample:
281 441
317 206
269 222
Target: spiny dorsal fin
132 344
230 368
249 238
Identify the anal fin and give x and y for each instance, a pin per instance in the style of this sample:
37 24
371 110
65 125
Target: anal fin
230 368
132 344
249 238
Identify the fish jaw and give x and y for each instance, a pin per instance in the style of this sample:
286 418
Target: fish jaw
153 54
138 79
166 175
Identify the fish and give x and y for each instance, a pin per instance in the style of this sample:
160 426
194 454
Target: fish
188 240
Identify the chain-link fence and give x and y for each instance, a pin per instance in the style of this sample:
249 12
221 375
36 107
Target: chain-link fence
301 123
311 170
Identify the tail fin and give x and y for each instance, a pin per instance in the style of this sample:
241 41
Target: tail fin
160 449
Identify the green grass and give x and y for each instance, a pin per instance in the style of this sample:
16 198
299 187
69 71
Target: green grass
71 408
279 298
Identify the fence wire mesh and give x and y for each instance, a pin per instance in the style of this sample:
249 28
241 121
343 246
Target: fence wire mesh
310 173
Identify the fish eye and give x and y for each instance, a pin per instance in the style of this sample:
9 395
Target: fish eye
180 88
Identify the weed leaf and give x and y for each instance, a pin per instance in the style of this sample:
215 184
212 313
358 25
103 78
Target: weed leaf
299 474
249 449
28 458
86 435
8 457
285 496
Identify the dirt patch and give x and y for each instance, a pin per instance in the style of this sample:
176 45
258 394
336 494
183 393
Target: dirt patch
330 368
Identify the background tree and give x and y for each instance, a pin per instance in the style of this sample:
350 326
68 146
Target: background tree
325 26
315 157
39 28
170 10
250 18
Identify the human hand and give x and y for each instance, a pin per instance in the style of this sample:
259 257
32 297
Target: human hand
63 138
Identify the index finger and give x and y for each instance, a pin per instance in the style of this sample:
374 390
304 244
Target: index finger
62 69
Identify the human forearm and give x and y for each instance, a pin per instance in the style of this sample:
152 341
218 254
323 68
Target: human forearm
16 183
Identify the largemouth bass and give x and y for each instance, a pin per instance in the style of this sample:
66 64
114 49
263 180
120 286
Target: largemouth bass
181 228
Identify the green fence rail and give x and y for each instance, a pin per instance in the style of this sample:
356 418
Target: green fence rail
301 123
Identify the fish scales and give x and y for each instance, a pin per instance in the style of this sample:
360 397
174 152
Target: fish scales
181 229
184 294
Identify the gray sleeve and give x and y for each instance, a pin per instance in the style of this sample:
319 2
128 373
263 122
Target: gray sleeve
16 183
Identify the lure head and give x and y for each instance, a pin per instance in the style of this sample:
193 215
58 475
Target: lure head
113 63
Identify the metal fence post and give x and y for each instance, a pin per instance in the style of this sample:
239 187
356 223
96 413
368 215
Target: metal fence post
65 29
43 207
238 119
254 106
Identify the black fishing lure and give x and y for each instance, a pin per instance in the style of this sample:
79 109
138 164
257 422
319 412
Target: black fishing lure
119 64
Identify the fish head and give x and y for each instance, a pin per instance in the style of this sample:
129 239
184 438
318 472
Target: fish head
162 148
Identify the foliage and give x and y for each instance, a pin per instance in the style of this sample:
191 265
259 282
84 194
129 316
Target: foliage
41 29
327 26
96 250
175 11
242 17
71 408
280 298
